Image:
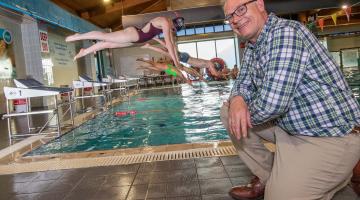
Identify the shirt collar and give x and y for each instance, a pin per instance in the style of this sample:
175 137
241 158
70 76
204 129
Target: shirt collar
272 18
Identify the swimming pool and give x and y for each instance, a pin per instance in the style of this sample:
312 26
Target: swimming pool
167 116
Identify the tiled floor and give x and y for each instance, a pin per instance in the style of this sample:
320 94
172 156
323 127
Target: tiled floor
203 178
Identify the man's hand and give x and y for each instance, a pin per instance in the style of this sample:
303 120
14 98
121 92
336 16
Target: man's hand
239 117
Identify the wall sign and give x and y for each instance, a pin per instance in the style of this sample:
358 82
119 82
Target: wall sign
44 41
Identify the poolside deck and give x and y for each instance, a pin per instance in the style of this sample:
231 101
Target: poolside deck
192 179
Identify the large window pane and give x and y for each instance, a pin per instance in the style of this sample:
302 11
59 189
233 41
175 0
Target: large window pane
336 56
206 50
190 31
350 57
189 48
226 50
219 28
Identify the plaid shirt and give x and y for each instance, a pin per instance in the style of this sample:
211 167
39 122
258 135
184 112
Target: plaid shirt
289 77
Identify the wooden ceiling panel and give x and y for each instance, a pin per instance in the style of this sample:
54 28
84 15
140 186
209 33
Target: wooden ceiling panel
109 15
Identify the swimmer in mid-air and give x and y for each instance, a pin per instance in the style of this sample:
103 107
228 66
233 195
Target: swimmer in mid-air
185 58
133 35
171 70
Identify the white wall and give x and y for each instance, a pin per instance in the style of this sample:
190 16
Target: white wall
125 63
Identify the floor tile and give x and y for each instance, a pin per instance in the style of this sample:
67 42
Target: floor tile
49 175
238 170
211 172
183 189
108 193
137 192
53 195
217 197
119 180
156 191
215 186
231 160
208 162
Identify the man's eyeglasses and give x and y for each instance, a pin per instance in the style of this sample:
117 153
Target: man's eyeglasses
240 11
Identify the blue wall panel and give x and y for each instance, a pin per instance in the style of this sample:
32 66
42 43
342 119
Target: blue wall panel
47 11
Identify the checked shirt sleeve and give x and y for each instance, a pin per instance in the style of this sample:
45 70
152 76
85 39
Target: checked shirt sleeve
243 85
284 69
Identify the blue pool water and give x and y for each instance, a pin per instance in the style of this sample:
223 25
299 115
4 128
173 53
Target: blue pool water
167 116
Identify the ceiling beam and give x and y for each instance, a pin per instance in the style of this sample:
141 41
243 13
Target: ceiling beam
115 7
159 5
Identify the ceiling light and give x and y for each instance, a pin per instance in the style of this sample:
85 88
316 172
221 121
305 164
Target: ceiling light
344 6
106 1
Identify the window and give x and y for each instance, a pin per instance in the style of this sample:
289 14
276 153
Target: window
200 30
181 33
209 29
206 50
189 48
190 31
350 57
225 49
227 27
219 28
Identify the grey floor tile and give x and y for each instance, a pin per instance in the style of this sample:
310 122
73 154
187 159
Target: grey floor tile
142 179
78 194
215 186
231 160
216 197
33 187
238 170
53 195
159 177
183 175
208 162
88 182
49 175
182 164
25 177
25 197
156 191
211 173
174 189
108 193
184 198
162 166
137 192
119 180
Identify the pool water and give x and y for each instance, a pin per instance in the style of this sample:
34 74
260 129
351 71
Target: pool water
168 116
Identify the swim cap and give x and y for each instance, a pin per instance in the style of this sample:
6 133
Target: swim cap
179 23
184 57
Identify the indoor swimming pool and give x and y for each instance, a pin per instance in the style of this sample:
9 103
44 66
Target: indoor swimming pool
178 115
167 116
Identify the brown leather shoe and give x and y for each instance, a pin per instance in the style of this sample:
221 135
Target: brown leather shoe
253 191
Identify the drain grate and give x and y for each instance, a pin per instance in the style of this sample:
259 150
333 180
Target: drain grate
58 164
